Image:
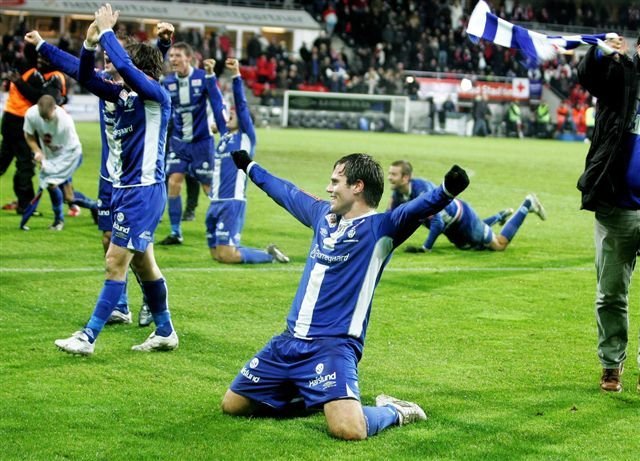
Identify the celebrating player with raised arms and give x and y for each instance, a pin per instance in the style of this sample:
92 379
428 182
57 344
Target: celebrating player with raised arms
225 216
142 111
191 144
69 64
317 356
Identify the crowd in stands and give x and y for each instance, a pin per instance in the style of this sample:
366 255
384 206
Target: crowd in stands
369 46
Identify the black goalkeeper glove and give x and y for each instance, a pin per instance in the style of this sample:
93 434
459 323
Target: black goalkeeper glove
456 180
241 159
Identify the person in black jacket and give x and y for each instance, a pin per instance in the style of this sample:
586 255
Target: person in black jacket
610 187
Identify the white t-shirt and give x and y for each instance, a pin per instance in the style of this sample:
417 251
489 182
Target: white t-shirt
59 142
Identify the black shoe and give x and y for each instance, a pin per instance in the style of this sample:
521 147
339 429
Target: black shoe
189 215
414 249
172 239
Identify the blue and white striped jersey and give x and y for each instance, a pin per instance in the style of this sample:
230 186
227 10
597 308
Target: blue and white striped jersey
230 183
346 257
142 111
69 64
189 105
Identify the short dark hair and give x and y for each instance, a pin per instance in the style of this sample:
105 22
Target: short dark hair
405 167
147 58
363 167
638 41
185 47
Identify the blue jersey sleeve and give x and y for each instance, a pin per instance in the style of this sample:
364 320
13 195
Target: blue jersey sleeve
132 76
410 215
217 103
88 78
436 227
61 60
163 46
242 110
302 206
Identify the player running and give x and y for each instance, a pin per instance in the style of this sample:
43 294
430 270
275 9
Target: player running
225 216
316 358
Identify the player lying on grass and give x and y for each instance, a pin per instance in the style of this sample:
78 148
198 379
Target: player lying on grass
458 221
316 358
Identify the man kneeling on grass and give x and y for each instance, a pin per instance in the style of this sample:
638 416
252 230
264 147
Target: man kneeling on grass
316 358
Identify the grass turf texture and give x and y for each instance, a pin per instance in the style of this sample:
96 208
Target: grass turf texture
499 348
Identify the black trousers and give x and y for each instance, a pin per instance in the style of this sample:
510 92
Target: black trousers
15 146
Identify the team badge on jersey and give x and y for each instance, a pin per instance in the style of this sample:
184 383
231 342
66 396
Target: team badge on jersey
319 368
120 217
254 362
332 219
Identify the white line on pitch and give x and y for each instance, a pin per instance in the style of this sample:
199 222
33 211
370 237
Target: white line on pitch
297 268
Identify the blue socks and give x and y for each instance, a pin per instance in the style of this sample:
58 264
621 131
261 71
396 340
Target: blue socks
491 220
379 418
175 214
123 302
156 295
109 296
254 256
83 201
511 227
56 203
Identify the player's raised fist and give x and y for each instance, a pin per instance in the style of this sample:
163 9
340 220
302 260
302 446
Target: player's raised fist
209 66
33 38
165 31
456 180
241 159
233 65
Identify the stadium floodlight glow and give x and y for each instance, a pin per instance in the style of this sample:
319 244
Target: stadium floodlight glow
274 30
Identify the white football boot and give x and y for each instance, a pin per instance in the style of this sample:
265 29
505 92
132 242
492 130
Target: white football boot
408 412
277 254
119 317
158 343
536 206
144 317
78 343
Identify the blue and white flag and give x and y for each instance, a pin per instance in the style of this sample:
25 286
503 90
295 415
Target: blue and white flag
535 46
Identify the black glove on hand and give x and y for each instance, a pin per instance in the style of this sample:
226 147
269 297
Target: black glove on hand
456 180
242 160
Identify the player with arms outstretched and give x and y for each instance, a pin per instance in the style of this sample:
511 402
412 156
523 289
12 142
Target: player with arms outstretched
317 356
141 117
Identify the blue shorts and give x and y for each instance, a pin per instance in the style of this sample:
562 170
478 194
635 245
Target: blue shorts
319 371
136 212
105 190
192 158
470 232
224 221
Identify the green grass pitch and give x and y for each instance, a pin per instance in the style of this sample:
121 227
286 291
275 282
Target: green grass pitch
498 348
